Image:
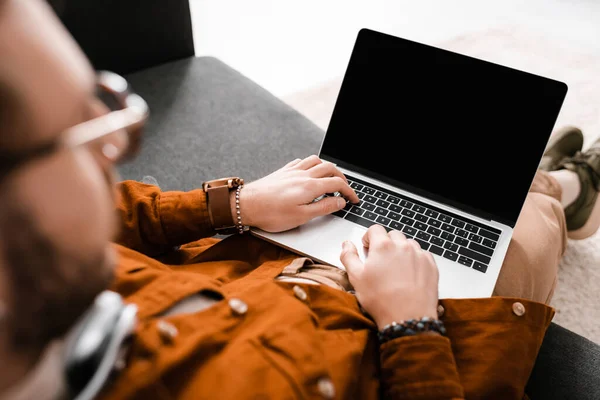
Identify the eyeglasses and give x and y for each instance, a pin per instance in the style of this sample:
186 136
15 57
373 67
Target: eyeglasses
116 135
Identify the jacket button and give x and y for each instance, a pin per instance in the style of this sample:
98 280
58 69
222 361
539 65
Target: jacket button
440 310
326 388
238 306
167 331
300 293
518 309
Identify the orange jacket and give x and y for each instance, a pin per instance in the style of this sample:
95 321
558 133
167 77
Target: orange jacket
281 346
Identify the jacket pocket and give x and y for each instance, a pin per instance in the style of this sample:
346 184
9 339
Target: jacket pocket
297 353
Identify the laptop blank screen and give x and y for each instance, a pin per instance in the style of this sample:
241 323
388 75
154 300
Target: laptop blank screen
463 131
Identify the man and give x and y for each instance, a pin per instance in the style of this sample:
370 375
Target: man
239 318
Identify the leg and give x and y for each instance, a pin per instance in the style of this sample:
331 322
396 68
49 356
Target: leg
539 240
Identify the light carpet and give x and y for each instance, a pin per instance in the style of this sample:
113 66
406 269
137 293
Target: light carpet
577 296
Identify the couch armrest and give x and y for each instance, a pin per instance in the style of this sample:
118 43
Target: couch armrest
567 367
209 121
128 35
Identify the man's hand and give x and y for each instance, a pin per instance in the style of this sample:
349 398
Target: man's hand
398 280
283 199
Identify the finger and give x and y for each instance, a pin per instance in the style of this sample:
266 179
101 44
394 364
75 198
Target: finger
397 236
309 162
414 245
292 163
326 169
334 184
325 206
376 233
350 259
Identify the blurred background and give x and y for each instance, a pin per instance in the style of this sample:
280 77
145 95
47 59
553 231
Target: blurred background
288 46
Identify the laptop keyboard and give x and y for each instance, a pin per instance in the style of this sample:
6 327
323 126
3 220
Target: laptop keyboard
456 238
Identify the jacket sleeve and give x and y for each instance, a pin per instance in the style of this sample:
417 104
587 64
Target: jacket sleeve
153 222
419 367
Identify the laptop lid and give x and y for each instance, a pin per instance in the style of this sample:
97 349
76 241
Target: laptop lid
453 128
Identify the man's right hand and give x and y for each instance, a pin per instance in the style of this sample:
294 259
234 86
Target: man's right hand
283 199
398 280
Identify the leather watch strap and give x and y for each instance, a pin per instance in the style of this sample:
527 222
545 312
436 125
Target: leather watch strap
219 207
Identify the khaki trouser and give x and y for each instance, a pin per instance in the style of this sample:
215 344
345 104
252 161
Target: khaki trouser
530 268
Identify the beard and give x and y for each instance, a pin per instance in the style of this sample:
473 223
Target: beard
50 287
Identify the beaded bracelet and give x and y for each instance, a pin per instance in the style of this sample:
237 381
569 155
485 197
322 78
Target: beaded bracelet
409 328
240 227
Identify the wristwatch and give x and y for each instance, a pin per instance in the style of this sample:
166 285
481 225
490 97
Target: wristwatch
219 208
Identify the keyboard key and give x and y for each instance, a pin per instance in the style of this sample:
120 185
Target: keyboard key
340 213
370 199
465 261
437 241
489 235
383 221
475 238
434 231
423 235
409 230
396 226
408 236
448 236
393 200
436 250
448 228
444 218
462 233
408 212
471 228
489 243
380 195
431 213
450 255
357 210
474 255
461 241
382 203
367 206
370 215
458 223
418 208
434 222
348 206
368 190
482 249
424 245
407 221
381 211
406 203
420 225
421 217
394 216
395 208
451 246
480 267
360 195
356 186
359 220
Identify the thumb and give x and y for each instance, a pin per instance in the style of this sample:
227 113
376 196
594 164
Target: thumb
350 258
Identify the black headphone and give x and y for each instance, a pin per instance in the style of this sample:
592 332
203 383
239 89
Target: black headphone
96 347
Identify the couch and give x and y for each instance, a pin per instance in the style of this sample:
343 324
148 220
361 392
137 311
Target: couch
202 108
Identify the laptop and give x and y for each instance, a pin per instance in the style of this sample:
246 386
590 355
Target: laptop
439 145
